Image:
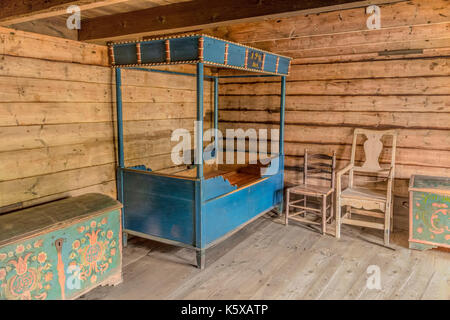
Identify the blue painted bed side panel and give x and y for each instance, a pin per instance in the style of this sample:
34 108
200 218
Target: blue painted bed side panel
184 49
270 63
224 214
283 66
236 55
153 51
125 54
141 167
214 50
214 187
159 206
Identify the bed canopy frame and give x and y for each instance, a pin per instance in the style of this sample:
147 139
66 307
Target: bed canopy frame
195 211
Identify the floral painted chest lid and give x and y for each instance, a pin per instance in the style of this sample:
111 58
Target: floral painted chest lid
34 220
430 184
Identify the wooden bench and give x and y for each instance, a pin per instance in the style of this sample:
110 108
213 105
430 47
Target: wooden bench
62 249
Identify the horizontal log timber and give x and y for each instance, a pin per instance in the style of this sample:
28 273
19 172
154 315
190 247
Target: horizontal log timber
13 11
326 103
404 156
21 67
40 113
368 48
107 187
374 56
24 44
14 191
340 80
405 13
182 17
37 90
38 136
381 86
407 138
422 120
156 162
37 113
362 37
40 161
13 66
163 94
57 117
401 171
402 68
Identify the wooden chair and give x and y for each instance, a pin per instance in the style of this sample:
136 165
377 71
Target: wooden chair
362 200
317 167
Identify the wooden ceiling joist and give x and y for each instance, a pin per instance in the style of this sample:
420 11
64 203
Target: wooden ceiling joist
199 14
13 11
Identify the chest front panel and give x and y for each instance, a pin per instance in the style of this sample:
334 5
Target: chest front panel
64 262
430 217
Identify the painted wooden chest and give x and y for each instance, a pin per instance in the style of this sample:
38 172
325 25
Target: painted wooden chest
62 249
429 220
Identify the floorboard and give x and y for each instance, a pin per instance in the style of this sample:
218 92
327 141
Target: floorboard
267 260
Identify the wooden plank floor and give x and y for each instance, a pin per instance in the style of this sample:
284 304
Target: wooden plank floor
267 260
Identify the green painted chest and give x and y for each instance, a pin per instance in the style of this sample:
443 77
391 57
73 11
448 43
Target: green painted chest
61 250
429 220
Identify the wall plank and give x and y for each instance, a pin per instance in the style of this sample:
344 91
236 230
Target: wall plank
380 86
408 138
322 103
57 120
393 15
13 191
421 120
339 82
32 45
400 68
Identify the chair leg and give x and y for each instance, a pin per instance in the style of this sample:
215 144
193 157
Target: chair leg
324 214
392 216
387 224
304 203
331 206
338 218
386 236
286 216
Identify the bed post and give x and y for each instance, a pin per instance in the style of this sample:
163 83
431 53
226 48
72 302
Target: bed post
281 138
120 145
200 254
199 150
216 114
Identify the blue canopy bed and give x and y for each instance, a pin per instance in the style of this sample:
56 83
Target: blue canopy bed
201 209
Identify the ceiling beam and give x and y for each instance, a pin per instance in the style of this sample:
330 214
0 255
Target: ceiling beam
13 11
199 14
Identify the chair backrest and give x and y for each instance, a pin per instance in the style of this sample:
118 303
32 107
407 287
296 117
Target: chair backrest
319 166
373 147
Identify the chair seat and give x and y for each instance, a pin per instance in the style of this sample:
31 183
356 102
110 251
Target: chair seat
364 194
311 190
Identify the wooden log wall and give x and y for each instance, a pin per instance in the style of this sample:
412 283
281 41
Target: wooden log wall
57 118
339 81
